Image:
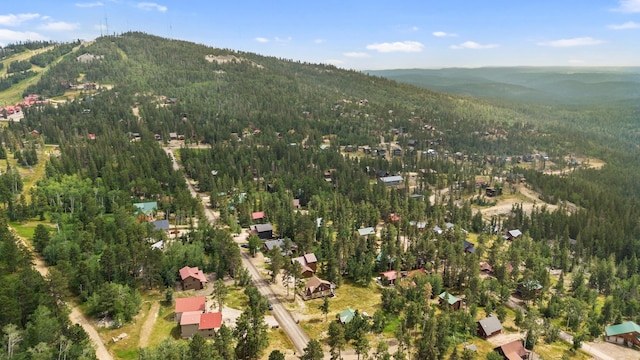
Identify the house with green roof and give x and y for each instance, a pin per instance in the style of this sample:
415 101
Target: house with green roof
627 333
449 300
146 211
346 316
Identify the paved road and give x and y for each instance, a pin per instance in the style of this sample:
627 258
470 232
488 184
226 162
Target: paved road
76 316
298 337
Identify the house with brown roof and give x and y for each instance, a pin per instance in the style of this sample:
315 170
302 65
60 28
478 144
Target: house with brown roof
486 268
308 263
317 288
514 350
489 326
191 304
192 278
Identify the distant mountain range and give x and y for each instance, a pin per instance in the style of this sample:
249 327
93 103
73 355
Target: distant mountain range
556 85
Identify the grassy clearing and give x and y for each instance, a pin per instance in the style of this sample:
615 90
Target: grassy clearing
364 299
557 350
236 298
278 340
165 326
128 347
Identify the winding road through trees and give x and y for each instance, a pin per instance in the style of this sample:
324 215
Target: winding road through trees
295 333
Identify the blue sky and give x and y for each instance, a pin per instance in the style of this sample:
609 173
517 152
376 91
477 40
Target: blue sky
360 35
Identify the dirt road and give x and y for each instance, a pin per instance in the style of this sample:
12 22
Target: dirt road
75 315
149 322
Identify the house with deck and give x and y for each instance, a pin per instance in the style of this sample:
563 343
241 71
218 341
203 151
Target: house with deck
317 288
627 333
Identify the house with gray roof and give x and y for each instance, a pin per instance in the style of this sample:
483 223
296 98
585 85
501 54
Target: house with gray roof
489 326
263 231
367 231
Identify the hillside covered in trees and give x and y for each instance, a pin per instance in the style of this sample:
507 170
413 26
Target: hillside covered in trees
306 144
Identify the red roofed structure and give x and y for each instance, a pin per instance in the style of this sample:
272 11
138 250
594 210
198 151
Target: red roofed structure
192 278
258 215
210 321
185 305
390 275
206 324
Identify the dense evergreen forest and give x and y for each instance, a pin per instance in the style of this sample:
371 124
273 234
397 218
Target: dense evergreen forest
261 132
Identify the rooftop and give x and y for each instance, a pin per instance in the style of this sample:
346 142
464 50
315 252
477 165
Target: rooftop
194 272
624 328
210 321
184 305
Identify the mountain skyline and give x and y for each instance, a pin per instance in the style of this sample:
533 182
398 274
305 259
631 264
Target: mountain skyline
356 34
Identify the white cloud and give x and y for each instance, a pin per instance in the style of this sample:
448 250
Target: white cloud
354 54
473 45
90 4
319 41
628 6
398 46
443 34
148 6
262 40
625 26
576 62
10 36
582 41
283 40
16 20
58 26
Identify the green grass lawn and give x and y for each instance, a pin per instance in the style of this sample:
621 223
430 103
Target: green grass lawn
165 326
364 299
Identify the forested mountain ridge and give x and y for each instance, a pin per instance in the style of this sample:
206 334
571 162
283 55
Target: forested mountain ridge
550 85
270 131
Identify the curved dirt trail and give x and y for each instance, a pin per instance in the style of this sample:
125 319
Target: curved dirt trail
75 315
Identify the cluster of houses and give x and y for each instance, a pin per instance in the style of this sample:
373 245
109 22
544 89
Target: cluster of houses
314 287
29 101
